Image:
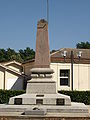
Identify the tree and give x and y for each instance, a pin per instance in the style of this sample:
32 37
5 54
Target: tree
2 55
20 56
27 54
83 45
10 54
52 51
21 53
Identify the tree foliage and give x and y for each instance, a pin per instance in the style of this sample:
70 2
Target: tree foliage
52 51
20 56
83 45
27 54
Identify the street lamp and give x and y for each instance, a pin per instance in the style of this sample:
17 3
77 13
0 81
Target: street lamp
64 54
79 54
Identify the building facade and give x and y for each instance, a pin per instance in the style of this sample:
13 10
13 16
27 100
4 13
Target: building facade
63 78
71 71
71 68
11 77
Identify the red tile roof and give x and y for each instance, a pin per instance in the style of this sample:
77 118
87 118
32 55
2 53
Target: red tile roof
58 56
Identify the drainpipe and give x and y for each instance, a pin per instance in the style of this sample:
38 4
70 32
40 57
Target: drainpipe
72 57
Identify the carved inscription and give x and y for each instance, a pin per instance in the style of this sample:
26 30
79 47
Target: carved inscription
60 101
39 101
18 101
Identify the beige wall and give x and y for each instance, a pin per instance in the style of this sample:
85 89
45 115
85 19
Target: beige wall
15 67
10 79
56 76
1 79
81 76
13 81
27 67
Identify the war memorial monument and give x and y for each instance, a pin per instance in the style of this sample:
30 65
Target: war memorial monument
41 100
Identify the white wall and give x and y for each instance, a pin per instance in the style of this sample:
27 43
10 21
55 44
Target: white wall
15 67
56 76
1 79
13 82
81 75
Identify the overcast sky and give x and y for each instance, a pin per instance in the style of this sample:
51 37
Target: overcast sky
69 22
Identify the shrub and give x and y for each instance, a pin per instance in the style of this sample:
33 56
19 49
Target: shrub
78 96
6 94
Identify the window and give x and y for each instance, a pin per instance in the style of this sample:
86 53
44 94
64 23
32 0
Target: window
65 77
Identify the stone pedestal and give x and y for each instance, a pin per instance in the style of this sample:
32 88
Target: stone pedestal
41 89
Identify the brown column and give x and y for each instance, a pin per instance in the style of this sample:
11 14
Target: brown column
4 81
72 57
42 56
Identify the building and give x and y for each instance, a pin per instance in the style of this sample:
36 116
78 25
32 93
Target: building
11 76
71 68
71 71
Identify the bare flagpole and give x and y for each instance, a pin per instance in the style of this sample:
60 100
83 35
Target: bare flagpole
47 11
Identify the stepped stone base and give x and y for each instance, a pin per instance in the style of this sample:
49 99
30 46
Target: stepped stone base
41 97
41 86
73 108
46 99
41 89
77 111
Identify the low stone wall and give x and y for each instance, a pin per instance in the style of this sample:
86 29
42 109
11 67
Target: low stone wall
18 116
47 118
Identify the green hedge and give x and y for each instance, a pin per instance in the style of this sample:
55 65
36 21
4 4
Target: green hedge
6 94
78 96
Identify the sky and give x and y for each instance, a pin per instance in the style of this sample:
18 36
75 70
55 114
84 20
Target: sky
69 22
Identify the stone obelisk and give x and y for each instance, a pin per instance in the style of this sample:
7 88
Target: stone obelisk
41 89
42 56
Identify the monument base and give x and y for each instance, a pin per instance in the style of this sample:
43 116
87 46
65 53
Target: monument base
74 108
77 111
46 99
41 97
